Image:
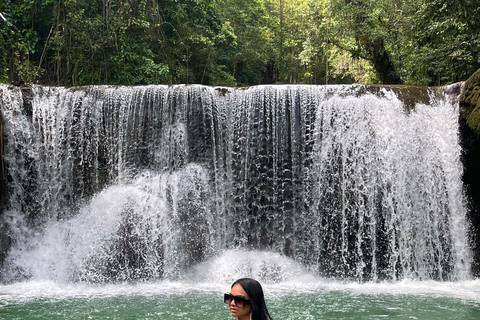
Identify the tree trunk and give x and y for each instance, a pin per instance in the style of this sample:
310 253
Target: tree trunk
383 63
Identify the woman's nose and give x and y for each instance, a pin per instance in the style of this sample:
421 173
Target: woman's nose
232 302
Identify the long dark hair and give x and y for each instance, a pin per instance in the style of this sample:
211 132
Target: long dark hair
257 300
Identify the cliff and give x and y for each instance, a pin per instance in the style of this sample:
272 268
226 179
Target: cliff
470 131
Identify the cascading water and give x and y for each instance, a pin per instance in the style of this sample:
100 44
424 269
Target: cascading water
114 184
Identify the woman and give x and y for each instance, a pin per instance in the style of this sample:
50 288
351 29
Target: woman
246 300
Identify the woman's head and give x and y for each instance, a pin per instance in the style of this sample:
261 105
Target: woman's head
255 306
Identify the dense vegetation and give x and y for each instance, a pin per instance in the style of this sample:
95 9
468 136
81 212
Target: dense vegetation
238 42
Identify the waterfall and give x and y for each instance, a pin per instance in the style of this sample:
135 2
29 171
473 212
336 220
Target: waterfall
112 184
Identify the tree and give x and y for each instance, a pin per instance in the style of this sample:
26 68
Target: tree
253 23
365 29
238 42
444 42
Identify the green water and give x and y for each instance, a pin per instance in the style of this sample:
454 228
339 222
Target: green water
208 305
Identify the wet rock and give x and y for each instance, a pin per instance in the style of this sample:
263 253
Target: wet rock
470 137
470 103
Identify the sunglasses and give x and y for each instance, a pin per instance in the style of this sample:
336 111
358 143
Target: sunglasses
240 301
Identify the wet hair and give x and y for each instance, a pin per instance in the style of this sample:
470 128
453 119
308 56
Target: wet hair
257 300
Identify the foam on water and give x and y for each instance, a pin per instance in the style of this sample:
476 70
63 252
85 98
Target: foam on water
267 267
284 277
279 276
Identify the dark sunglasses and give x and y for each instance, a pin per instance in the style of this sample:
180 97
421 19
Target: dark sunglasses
240 301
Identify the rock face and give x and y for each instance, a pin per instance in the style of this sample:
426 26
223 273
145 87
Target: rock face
470 103
470 131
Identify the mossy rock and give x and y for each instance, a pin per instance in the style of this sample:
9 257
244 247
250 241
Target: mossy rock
470 102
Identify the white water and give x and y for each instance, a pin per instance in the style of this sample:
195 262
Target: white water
215 276
135 218
113 184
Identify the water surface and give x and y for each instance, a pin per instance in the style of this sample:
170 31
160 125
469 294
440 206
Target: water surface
288 300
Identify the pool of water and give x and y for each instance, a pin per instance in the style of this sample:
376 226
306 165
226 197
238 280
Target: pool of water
287 300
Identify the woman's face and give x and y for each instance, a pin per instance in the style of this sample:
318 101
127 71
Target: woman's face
240 313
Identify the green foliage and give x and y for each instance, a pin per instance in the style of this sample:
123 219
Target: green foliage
250 24
424 42
447 40
19 42
238 42
367 30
